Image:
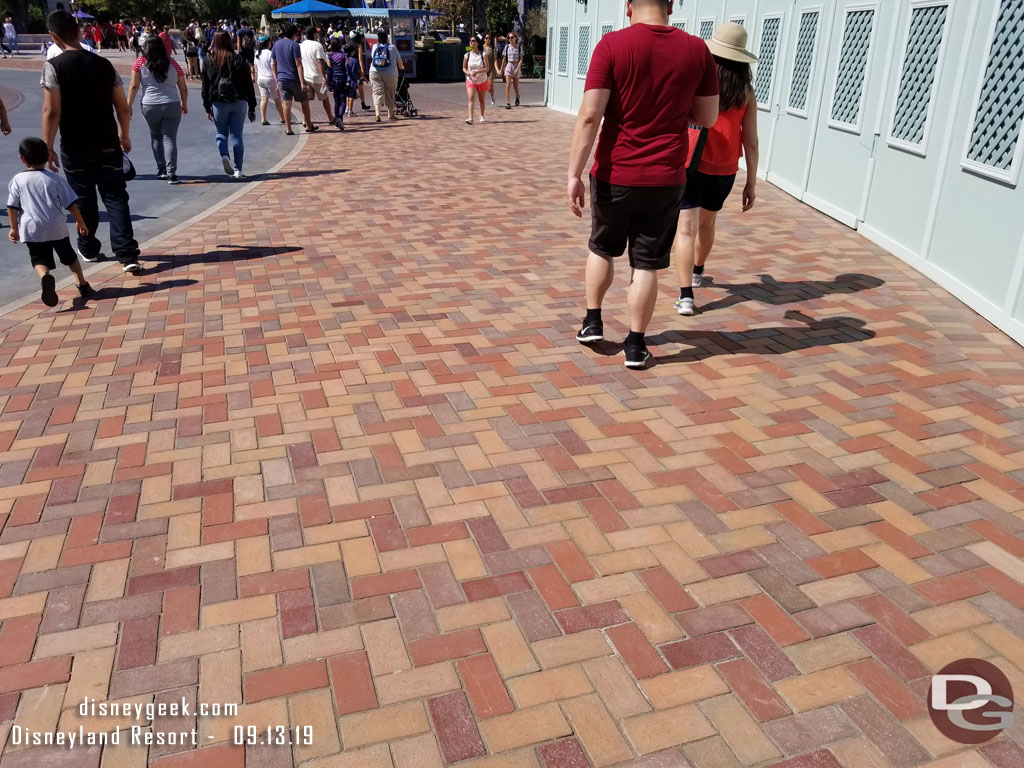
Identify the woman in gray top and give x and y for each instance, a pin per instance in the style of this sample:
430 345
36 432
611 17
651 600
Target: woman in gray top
164 101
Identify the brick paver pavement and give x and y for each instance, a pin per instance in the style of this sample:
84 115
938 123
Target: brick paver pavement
342 463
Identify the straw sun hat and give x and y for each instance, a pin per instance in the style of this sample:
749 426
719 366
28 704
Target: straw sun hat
730 42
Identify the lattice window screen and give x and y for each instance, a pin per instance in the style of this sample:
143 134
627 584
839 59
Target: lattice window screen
679 25
920 61
741 20
563 50
582 50
997 123
551 39
804 60
606 28
707 29
853 64
770 28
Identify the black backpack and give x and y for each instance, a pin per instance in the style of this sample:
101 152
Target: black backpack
225 87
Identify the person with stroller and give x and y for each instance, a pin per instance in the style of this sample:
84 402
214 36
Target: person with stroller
474 66
385 65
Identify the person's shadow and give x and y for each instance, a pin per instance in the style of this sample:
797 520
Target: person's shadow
108 292
758 341
224 253
771 291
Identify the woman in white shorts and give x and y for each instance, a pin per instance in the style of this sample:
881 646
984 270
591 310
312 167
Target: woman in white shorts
265 80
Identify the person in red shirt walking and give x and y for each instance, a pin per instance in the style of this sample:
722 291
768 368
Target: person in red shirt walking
647 82
709 184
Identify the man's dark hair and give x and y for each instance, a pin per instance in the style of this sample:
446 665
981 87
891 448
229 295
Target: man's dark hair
63 25
382 37
33 151
290 31
311 32
642 3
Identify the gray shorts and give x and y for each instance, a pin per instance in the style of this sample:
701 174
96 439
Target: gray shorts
291 90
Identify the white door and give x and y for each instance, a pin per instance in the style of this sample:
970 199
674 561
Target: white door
850 113
767 37
806 62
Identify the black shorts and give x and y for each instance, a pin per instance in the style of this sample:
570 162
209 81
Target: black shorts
292 90
706 191
644 218
42 253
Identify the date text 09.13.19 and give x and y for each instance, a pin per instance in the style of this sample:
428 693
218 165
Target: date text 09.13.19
276 735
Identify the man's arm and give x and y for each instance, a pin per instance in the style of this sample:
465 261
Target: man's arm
124 118
273 65
51 121
299 69
588 122
705 110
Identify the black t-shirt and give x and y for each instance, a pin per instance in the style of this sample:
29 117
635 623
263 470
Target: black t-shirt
86 83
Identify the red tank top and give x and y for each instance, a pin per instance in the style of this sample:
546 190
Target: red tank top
724 145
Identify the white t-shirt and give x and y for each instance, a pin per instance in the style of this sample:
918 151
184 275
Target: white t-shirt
312 53
264 70
43 198
55 50
9 30
477 68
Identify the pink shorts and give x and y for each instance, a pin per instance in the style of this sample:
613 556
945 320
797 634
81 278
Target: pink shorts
484 86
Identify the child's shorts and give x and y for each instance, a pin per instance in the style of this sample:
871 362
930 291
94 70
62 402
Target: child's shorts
42 253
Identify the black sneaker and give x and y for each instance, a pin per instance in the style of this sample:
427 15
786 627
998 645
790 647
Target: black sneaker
637 357
507 105
367 107
517 101
91 259
591 332
49 291
162 175
85 291
173 179
130 266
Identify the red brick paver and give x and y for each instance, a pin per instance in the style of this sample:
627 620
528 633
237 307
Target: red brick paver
344 465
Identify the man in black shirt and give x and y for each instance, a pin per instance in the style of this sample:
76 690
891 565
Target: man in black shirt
82 91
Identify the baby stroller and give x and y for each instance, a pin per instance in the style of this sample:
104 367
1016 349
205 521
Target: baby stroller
402 98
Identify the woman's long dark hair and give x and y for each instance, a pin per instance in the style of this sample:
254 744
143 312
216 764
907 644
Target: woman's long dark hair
734 83
157 60
220 49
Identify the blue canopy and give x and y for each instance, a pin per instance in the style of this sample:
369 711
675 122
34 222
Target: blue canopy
305 8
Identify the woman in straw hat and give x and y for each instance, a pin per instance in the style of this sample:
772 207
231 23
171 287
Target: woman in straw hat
709 184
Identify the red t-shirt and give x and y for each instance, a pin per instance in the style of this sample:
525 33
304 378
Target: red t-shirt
654 73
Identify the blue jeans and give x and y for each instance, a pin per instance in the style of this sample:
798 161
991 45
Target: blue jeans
87 172
229 119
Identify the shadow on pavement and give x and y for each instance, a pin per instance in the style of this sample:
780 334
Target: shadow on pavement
757 341
108 292
225 253
771 291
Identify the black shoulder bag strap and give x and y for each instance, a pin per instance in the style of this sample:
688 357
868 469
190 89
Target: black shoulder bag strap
698 152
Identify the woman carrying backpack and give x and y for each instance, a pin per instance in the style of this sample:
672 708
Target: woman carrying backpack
336 62
385 64
227 91
709 184
474 66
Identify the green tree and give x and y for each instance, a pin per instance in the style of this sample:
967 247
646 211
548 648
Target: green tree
502 16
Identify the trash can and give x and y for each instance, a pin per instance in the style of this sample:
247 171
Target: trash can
448 61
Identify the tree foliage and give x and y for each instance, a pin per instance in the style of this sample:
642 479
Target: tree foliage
502 16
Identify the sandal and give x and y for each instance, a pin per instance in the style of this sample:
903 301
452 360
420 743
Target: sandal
289 133
313 128
265 122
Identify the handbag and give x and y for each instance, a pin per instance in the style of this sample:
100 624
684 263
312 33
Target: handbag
127 168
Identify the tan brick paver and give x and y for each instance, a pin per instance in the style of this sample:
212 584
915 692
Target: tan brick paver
336 457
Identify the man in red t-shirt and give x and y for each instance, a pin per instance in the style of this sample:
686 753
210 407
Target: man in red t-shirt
647 82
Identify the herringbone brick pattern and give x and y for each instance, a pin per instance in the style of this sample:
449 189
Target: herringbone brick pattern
335 457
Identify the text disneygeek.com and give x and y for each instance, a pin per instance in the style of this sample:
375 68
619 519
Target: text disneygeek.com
145 714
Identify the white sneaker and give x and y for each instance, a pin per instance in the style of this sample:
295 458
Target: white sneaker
684 306
228 168
238 174
697 281
482 119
